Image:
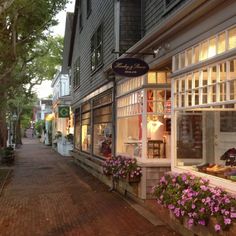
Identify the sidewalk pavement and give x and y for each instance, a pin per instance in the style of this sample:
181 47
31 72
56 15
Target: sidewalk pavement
49 195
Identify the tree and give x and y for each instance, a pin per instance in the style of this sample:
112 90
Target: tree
42 67
22 29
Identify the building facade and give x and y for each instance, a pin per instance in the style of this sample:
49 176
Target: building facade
176 117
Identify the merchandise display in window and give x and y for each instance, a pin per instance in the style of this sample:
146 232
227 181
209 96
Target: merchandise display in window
129 141
203 145
151 105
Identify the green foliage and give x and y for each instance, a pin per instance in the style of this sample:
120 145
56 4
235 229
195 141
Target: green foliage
39 126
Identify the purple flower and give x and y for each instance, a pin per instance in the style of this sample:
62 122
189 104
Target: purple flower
202 209
203 188
190 222
227 221
233 215
171 207
202 222
217 227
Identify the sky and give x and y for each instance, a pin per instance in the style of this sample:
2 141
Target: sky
44 90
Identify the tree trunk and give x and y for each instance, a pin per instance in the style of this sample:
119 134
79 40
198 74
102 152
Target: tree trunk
3 127
18 132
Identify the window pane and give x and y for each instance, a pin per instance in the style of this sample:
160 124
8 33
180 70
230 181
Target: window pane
86 138
152 77
221 43
204 77
102 140
161 77
196 79
177 62
212 47
232 69
129 136
189 137
222 72
182 60
204 95
196 54
99 55
232 85
189 57
204 50
232 38
77 129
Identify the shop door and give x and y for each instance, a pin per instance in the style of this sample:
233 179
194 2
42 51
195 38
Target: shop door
225 133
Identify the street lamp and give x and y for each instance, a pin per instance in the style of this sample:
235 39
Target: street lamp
14 119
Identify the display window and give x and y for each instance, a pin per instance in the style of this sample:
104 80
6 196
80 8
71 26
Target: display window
211 47
205 118
77 133
206 141
143 121
129 136
102 141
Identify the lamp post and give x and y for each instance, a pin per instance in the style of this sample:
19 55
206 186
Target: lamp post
14 119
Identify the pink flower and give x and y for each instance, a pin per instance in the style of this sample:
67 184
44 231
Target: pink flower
233 215
227 221
201 222
217 227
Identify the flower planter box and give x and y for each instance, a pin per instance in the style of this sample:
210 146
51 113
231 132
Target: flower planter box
135 179
182 227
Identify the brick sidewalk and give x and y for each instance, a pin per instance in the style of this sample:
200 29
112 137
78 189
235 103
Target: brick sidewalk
50 195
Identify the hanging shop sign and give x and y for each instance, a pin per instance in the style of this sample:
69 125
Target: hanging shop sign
130 67
63 111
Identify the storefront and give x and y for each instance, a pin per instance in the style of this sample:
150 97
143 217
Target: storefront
204 109
93 125
143 127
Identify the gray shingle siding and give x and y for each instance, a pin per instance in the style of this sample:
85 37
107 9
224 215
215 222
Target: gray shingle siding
102 13
155 12
130 23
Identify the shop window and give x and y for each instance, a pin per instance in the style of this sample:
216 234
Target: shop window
77 129
86 132
206 141
96 49
76 73
232 38
103 131
129 136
